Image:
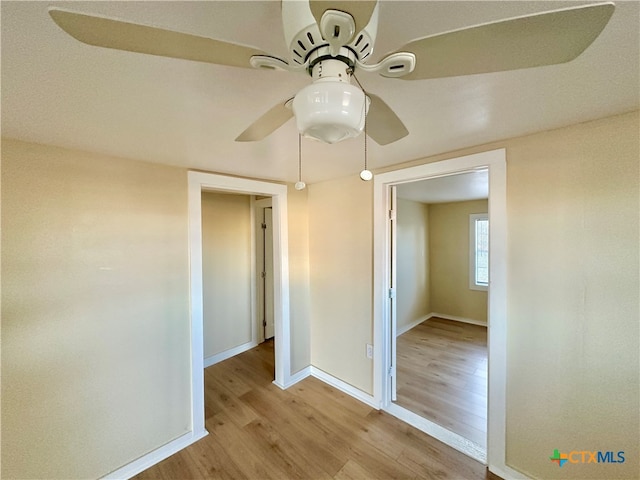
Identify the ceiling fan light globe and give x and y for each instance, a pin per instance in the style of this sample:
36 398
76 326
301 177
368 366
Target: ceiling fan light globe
330 111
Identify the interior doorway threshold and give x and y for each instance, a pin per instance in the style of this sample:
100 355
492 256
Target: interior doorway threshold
454 440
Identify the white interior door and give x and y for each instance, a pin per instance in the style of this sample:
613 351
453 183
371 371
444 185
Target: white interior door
267 307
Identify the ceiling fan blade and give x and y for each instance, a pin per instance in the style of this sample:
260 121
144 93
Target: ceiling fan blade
361 10
267 123
531 41
383 125
132 37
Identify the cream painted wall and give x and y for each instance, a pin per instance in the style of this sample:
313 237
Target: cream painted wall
226 271
449 260
299 277
573 381
573 292
412 256
340 252
95 311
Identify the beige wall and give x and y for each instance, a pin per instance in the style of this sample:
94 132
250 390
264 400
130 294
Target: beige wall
449 260
573 353
226 271
412 269
95 311
573 291
340 252
299 278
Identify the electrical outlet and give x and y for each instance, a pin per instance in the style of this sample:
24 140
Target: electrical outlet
369 350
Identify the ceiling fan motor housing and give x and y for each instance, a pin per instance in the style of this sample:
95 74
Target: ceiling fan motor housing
303 37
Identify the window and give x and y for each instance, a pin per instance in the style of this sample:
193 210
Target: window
478 251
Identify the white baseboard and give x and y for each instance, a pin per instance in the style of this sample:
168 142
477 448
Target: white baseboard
333 381
295 378
156 456
508 473
232 352
406 328
438 432
444 316
344 387
458 319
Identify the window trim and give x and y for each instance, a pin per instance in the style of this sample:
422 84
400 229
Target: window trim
473 218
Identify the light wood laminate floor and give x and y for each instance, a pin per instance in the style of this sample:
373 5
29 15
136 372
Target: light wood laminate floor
310 431
442 375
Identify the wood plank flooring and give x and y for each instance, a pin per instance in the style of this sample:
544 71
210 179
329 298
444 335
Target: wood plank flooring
310 431
442 375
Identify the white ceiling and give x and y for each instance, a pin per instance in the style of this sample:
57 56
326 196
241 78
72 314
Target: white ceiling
58 91
473 185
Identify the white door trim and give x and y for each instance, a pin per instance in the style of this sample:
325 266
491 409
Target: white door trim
495 162
198 182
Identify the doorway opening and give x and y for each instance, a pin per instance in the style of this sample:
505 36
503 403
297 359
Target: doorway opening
229 238
199 182
440 261
385 300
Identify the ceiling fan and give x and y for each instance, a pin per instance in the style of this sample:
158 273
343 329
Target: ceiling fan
332 40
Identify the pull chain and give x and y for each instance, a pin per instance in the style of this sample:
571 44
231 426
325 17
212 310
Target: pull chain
300 184
365 142
365 174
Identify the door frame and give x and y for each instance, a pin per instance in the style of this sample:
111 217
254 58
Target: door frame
495 162
197 183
